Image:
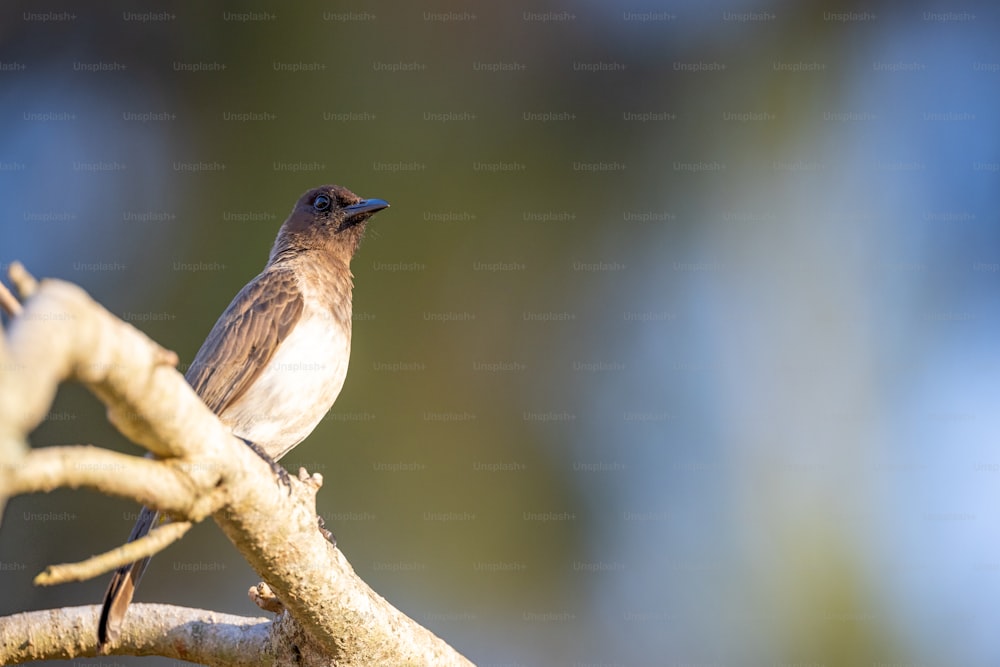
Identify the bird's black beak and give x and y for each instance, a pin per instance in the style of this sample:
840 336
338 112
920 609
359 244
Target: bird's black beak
361 211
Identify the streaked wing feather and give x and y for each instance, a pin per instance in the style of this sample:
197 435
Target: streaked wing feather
245 338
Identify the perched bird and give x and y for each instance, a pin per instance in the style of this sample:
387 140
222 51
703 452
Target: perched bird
276 359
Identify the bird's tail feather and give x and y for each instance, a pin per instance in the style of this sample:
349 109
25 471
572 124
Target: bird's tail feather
123 584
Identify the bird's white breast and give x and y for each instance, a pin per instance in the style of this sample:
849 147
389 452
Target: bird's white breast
298 387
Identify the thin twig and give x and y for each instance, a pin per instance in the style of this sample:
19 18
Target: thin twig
23 281
156 541
9 302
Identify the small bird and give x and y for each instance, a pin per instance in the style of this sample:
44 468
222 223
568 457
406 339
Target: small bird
275 361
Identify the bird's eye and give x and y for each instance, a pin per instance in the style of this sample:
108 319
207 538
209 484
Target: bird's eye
321 203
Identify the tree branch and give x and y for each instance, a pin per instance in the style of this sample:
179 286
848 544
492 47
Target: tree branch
151 482
183 633
333 616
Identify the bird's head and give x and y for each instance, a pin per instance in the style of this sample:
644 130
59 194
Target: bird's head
329 219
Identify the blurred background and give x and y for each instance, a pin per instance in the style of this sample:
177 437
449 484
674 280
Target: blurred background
674 347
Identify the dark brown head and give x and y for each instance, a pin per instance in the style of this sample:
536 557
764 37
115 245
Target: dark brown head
329 219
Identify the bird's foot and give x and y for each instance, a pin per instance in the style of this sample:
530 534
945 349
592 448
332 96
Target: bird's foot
326 533
275 466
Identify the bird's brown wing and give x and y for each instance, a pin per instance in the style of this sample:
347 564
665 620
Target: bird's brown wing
245 338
